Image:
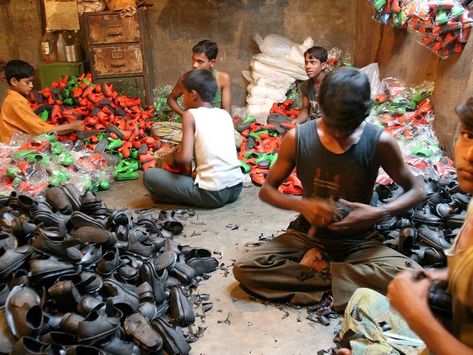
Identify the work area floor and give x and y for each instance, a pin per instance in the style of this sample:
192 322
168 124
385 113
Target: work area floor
237 323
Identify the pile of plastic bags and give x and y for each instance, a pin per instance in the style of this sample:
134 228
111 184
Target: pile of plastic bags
273 71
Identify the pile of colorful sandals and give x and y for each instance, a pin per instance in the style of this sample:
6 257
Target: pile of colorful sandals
261 143
407 114
404 112
443 25
117 126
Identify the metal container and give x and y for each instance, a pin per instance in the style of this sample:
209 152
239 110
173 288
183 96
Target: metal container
74 53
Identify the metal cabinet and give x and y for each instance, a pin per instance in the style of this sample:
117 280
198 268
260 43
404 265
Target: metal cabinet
119 51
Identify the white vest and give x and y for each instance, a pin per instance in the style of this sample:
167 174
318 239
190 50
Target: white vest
215 155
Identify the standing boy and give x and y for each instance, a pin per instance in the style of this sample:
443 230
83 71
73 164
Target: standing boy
337 157
207 137
315 64
204 56
16 113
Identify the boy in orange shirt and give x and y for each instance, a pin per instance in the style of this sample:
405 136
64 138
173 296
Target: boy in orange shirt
16 113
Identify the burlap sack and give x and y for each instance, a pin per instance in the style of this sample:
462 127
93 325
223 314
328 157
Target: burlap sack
172 132
167 131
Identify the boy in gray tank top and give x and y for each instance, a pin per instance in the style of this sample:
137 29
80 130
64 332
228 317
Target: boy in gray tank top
337 158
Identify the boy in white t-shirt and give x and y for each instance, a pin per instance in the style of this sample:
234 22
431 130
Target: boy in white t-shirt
207 138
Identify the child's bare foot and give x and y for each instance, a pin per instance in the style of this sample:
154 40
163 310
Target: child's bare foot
314 259
309 257
344 351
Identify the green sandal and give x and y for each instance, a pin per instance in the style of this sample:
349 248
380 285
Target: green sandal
126 175
245 168
114 144
13 171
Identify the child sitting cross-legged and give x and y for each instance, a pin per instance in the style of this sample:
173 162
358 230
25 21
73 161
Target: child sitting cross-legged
207 138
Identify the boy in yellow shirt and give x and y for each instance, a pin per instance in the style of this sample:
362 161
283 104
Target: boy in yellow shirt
16 114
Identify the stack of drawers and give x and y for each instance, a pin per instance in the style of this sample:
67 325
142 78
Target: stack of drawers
119 52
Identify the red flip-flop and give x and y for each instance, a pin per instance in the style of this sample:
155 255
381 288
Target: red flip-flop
258 175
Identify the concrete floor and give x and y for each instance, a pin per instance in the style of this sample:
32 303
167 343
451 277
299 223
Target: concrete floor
237 323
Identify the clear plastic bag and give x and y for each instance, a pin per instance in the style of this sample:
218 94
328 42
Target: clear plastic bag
372 72
444 27
274 70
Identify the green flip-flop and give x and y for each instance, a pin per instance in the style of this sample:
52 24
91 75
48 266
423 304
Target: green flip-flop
126 175
245 168
13 171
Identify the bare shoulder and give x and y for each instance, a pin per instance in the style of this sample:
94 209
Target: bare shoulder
177 89
387 148
288 144
179 81
223 78
386 140
187 116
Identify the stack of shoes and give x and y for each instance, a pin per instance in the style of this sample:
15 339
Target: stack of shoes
423 233
116 126
76 277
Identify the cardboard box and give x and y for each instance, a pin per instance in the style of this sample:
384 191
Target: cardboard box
61 15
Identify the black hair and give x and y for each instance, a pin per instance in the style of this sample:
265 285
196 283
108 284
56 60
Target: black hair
18 69
344 98
203 82
465 113
317 52
208 47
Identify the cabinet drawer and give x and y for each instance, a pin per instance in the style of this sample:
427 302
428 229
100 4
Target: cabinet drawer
110 28
117 59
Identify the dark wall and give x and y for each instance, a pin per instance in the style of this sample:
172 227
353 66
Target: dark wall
178 24
20 32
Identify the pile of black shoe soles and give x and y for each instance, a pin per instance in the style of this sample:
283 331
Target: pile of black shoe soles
78 278
424 232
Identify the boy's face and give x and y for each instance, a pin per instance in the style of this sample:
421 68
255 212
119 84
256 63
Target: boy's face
188 99
464 158
313 67
200 61
22 86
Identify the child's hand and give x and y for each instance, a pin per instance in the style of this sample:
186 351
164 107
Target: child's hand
361 216
317 211
171 157
177 149
76 125
408 283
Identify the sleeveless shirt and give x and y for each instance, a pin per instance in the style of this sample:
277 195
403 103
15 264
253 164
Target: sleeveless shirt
217 100
350 175
216 160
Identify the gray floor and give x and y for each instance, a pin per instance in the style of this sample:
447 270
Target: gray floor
237 324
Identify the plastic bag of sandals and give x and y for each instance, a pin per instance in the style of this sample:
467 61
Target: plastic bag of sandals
90 6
